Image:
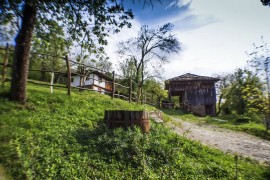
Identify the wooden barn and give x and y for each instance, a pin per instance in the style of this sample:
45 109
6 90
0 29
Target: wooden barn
197 94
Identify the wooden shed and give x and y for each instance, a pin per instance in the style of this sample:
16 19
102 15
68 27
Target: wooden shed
197 94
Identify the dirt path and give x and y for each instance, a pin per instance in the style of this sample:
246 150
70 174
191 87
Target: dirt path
226 140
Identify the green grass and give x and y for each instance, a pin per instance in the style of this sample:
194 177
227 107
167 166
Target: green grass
229 122
55 136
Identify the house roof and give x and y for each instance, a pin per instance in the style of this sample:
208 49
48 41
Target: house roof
104 76
192 77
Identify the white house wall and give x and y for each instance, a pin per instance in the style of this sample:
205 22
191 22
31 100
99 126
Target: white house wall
93 79
90 80
96 81
76 81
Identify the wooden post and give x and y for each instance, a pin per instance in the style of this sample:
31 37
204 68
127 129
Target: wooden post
52 79
68 75
113 85
4 72
130 90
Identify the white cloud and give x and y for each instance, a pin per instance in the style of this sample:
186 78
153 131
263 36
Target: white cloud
220 47
227 29
183 2
114 39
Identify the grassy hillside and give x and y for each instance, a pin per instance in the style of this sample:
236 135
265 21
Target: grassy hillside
59 137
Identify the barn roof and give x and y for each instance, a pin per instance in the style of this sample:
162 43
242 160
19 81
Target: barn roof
192 77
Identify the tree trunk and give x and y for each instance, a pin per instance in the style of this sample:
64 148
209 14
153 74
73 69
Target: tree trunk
219 104
21 55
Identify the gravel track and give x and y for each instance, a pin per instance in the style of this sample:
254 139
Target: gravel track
226 140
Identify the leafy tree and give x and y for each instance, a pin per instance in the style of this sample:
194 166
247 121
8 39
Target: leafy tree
156 90
149 48
104 65
49 48
222 85
244 95
128 69
266 2
83 60
260 61
85 21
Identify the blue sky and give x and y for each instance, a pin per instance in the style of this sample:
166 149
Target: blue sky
214 33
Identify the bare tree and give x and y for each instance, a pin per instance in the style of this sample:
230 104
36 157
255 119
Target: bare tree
148 51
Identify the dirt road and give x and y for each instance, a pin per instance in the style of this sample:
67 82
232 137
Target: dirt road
226 140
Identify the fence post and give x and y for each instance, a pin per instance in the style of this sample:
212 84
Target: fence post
113 84
130 89
4 72
68 75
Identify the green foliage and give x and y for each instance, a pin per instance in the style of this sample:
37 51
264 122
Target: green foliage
156 88
55 136
83 20
48 47
244 96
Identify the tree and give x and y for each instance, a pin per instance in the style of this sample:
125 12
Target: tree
266 2
86 21
49 48
222 85
156 89
104 65
149 48
244 94
260 61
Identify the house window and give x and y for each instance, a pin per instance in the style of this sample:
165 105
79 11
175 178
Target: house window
72 80
99 80
87 78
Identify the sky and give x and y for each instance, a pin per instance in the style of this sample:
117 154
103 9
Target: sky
215 34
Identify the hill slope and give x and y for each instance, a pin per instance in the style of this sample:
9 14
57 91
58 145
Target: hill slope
60 137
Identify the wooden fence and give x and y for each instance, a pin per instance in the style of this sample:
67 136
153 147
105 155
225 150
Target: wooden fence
131 96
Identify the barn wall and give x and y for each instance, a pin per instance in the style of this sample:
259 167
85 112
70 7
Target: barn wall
201 96
201 110
198 110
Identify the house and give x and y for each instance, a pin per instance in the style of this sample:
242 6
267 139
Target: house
95 80
197 94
